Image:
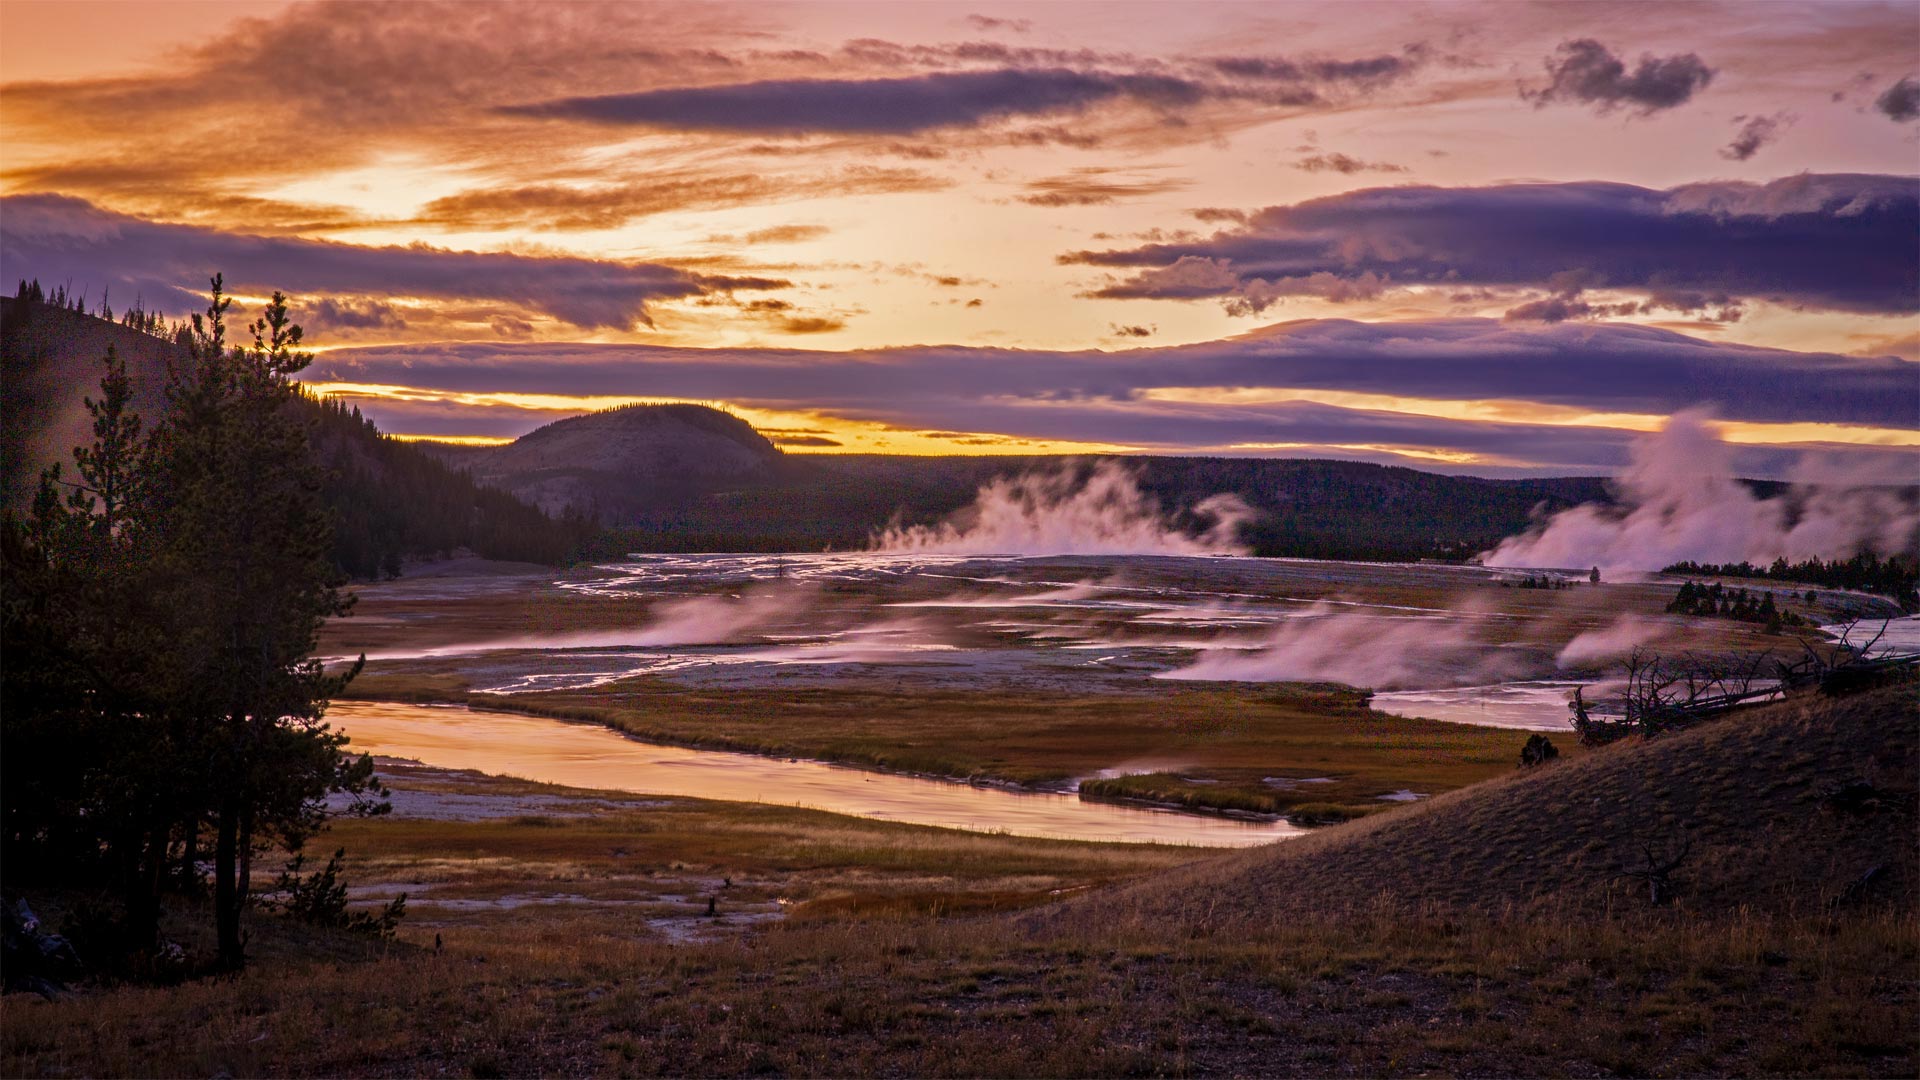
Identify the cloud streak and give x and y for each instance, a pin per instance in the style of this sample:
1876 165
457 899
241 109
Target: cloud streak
898 106
1211 395
57 238
1840 242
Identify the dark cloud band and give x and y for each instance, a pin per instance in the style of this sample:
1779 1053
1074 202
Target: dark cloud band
1605 368
1840 242
901 106
56 238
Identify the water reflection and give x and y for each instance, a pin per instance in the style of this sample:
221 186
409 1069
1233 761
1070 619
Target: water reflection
584 756
1537 705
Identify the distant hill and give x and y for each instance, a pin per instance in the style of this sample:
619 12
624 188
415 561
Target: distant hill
390 501
1748 798
626 464
692 478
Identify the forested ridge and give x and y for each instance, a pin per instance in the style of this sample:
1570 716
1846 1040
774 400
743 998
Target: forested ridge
389 500
1301 508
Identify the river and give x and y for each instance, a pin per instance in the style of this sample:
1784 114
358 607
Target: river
588 756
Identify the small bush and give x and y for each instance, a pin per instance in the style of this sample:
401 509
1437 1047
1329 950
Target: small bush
320 898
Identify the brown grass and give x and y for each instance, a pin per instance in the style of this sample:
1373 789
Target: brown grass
1745 792
1472 935
969 997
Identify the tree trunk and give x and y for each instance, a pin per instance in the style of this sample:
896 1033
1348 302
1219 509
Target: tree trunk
245 883
226 891
190 856
143 889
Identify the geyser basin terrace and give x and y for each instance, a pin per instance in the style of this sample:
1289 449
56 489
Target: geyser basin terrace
1040 671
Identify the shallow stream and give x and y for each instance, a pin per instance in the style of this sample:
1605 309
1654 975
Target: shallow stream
587 756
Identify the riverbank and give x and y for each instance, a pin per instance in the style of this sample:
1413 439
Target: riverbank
588 755
1269 749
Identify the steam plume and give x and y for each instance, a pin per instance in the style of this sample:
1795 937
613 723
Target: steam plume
1611 642
1060 513
693 620
718 620
1377 651
1679 502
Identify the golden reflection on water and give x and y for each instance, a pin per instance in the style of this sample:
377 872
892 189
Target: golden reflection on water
586 756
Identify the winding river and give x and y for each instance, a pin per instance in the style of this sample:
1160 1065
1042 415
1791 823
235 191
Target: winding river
586 756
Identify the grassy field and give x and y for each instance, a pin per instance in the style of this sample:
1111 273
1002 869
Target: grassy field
574 995
1465 935
463 841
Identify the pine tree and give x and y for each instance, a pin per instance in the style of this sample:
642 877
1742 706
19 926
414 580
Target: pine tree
247 582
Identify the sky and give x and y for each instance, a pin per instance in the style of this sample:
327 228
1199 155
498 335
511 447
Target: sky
1498 238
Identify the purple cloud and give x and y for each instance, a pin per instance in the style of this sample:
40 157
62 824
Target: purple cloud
1755 132
1842 242
1103 396
1587 72
898 106
1901 101
56 238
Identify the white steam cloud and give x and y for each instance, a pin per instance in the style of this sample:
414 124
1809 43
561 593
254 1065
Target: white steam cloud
1679 502
1376 651
693 620
1611 642
719 620
1062 513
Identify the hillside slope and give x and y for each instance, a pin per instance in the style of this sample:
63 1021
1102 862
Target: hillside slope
1746 796
620 464
390 501
50 362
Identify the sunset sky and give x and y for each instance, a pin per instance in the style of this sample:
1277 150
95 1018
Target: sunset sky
1493 238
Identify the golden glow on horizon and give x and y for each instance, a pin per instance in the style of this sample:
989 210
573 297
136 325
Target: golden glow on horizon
457 440
1416 453
787 429
793 429
1751 433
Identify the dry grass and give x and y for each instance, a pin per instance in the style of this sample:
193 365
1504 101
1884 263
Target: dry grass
1285 961
1367 996
1745 795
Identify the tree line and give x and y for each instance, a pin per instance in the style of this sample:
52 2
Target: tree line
151 323
391 501
161 709
1896 576
1717 601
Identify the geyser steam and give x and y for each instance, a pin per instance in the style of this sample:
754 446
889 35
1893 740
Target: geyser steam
1064 513
1679 502
1379 651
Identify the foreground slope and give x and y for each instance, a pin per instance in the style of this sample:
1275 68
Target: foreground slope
1755 800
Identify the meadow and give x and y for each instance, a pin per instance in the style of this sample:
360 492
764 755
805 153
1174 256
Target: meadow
929 952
